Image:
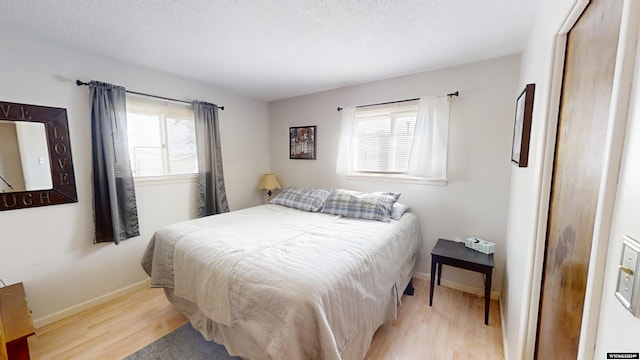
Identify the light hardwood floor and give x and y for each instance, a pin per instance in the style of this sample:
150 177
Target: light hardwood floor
452 329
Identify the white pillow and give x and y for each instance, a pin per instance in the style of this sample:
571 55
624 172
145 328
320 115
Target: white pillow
398 209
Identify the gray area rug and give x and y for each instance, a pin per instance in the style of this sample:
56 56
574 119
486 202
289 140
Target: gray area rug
184 343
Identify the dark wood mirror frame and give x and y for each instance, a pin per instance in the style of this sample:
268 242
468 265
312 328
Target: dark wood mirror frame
59 145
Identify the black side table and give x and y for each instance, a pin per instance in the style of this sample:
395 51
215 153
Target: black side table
456 254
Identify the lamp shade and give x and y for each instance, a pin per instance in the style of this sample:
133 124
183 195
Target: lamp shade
269 182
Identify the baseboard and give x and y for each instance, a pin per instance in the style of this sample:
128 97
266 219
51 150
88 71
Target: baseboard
46 320
505 344
495 295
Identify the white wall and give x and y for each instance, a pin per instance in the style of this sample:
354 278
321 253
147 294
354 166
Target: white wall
50 248
474 202
527 184
525 188
618 329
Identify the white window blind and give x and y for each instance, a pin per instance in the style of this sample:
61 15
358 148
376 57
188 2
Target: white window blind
404 140
383 137
161 138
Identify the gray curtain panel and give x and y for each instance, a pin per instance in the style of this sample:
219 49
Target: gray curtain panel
114 196
212 196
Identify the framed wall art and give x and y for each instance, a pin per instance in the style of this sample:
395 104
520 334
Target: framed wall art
522 127
302 142
36 168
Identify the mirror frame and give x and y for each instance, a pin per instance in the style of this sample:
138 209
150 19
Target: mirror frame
59 145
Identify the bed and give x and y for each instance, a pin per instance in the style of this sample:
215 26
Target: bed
275 282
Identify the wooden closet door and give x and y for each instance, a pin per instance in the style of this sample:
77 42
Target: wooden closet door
586 96
3 344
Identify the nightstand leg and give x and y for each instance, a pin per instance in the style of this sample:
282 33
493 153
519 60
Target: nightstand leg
439 272
487 297
432 281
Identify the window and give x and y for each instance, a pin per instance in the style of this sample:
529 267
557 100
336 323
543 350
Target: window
404 140
383 137
161 138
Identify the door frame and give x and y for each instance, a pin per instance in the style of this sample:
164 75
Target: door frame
617 119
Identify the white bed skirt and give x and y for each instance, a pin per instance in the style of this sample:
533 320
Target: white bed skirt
239 343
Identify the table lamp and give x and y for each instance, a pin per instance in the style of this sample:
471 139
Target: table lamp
269 182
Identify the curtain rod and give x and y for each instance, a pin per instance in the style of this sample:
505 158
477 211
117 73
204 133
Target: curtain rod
456 93
80 83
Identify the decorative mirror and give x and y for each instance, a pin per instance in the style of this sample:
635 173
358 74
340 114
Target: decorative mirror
36 168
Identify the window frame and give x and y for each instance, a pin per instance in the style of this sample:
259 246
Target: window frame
352 174
144 105
406 108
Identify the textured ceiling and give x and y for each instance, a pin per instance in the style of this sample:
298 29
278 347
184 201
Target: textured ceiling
277 49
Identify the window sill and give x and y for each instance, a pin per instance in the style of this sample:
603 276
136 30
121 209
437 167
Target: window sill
165 179
397 179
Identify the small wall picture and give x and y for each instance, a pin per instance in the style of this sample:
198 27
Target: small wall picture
522 127
302 142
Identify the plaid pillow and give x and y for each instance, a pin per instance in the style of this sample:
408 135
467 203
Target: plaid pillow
372 206
301 198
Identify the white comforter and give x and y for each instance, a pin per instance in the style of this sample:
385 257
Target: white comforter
300 284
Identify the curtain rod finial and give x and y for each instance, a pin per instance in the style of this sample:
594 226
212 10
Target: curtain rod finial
339 108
